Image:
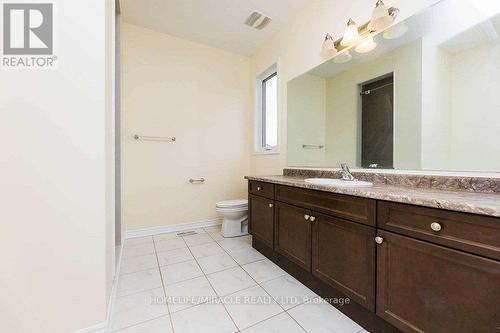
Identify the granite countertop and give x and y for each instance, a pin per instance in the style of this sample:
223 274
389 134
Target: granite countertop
468 202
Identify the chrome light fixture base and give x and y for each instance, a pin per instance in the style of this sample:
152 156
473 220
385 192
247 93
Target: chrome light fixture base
364 31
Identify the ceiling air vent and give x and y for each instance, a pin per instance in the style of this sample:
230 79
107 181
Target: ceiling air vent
258 20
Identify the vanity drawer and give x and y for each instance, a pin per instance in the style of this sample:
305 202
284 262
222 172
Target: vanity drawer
261 188
348 207
468 232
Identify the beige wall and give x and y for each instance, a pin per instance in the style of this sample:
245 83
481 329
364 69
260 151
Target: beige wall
200 95
297 47
52 185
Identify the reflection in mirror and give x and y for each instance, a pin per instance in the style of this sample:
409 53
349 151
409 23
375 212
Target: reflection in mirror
427 97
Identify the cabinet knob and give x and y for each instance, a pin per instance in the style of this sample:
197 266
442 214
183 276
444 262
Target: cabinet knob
379 240
306 217
271 205
259 188
312 219
436 226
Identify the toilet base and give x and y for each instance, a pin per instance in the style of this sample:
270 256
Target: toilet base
235 227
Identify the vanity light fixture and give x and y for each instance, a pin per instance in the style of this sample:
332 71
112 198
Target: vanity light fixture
351 33
381 18
328 50
367 45
343 57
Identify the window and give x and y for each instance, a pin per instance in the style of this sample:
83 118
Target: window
267 127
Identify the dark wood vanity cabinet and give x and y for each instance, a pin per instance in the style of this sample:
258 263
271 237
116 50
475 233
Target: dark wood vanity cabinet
261 219
311 230
468 232
351 208
261 189
343 255
293 234
436 269
422 287
407 268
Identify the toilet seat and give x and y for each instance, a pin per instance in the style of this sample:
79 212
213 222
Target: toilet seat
231 209
233 204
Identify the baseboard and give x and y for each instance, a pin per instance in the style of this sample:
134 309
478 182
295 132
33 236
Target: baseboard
171 228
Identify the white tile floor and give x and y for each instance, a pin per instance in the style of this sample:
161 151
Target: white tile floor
205 283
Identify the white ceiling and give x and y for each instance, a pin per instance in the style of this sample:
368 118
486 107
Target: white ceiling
218 23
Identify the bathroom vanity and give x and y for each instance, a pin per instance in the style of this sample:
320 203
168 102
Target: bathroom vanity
417 115
410 259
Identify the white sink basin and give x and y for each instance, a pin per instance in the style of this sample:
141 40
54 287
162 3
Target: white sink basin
338 182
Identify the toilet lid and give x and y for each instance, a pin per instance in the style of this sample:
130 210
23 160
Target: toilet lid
233 203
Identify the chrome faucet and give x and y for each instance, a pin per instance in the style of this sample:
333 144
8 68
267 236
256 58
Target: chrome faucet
346 173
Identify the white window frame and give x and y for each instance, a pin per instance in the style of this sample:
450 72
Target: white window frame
259 119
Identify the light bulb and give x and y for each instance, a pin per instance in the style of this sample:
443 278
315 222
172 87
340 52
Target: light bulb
380 17
328 50
396 31
366 45
342 57
351 34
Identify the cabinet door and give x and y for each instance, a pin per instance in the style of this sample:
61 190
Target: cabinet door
261 216
343 255
293 234
422 287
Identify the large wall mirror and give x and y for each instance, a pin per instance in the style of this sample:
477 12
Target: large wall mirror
427 97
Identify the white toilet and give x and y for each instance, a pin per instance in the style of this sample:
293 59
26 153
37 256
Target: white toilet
235 217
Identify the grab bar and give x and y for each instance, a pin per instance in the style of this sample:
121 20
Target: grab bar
154 138
197 181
